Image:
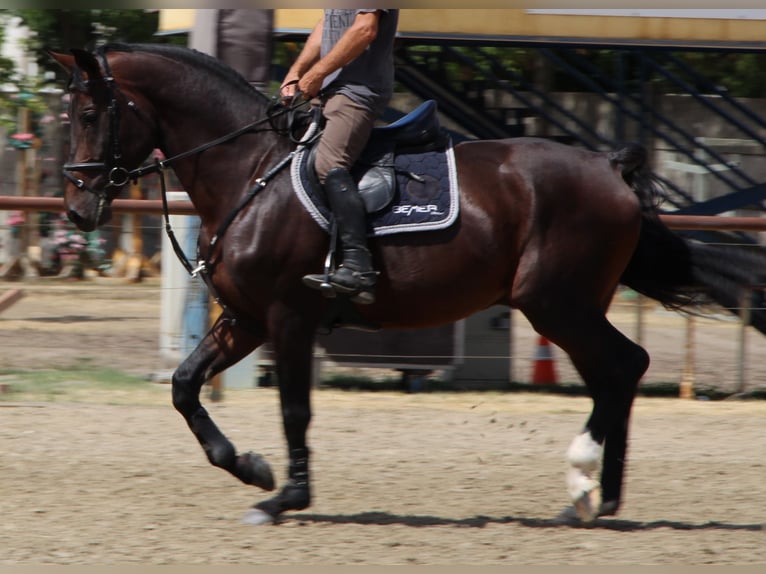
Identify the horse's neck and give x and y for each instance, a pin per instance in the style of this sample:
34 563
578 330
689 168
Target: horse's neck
216 177
186 125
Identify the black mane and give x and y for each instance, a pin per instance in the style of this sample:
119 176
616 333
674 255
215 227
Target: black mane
192 57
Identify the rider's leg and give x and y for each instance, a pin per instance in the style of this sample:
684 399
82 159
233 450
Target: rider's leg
347 129
355 274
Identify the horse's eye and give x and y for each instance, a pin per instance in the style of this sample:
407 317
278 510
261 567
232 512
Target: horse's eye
88 117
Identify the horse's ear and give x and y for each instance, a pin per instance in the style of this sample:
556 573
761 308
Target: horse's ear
66 61
87 63
79 58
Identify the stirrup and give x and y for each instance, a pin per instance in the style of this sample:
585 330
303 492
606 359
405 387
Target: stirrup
321 283
362 293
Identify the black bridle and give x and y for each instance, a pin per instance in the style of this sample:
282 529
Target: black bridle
119 175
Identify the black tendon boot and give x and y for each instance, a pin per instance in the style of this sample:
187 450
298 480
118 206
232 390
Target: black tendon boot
355 275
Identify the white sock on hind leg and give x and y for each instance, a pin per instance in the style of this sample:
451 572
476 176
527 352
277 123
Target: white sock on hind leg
584 457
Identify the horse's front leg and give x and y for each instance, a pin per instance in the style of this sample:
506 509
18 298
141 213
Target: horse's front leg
223 346
292 336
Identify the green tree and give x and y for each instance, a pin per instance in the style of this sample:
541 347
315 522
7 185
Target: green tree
64 29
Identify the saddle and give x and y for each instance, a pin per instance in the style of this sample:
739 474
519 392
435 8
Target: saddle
418 131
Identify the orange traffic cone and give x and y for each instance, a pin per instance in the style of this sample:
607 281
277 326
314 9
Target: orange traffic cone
544 371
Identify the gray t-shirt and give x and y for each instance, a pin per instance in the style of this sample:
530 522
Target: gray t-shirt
369 79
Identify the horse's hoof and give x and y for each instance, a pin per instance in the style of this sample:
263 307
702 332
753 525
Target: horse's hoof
253 469
584 492
588 504
568 516
609 508
257 517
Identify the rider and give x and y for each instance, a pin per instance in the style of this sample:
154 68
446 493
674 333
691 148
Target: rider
348 63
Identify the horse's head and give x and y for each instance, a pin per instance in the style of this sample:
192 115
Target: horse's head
108 138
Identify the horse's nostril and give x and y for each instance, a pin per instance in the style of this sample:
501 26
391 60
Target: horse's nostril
81 223
73 216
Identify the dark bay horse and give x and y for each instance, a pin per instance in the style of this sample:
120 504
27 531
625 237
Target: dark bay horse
545 228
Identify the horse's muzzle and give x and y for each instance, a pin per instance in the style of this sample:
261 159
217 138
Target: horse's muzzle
82 223
90 215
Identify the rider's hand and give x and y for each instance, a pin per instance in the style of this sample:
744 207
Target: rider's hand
287 91
310 84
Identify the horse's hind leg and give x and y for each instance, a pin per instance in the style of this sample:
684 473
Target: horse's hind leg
223 346
615 450
611 371
611 366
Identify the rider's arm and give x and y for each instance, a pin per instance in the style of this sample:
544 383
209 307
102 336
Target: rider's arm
311 71
353 42
307 58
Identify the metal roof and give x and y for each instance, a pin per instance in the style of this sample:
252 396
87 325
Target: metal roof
691 28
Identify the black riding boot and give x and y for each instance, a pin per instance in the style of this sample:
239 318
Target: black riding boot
355 274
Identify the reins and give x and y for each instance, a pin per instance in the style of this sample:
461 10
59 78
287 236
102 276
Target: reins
119 176
206 265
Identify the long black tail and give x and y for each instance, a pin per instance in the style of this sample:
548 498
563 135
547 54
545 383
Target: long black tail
682 273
